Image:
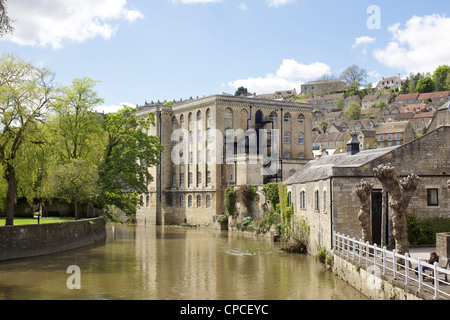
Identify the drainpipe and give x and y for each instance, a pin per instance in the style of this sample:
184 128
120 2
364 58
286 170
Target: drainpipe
281 143
331 212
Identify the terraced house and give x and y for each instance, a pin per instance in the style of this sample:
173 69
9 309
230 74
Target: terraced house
216 141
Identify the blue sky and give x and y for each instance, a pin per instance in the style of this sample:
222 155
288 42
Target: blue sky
171 49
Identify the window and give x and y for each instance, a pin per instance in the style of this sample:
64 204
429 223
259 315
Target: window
316 200
199 157
325 201
199 179
301 155
432 198
182 180
381 137
208 156
182 119
191 157
303 200
181 201
287 118
174 202
291 172
273 117
148 201
208 134
191 118
301 138
190 201
289 198
208 201
397 136
199 201
287 155
228 114
208 179
301 119
199 116
199 136
208 114
190 179
174 122
174 180
287 138
191 137
389 137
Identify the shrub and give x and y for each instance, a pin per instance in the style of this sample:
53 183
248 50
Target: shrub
246 195
294 236
423 231
230 200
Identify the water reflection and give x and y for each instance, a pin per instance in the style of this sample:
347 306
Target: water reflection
176 264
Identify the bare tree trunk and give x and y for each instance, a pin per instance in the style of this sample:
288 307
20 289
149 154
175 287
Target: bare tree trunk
364 192
10 201
400 194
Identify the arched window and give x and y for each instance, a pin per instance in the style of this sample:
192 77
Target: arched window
208 114
191 119
208 201
190 201
174 201
303 200
181 201
287 118
199 201
182 180
287 137
174 122
301 138
301 155
182 119
301 119
199 135
287 155
316 200
208 134
199 116
273 117
228 114
148 201
289 198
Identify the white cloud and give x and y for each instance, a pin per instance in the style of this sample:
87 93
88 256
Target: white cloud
291 74
50 23
278 3
114 108
420 47
242 6
362 41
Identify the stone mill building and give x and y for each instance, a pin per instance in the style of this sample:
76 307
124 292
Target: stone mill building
217 141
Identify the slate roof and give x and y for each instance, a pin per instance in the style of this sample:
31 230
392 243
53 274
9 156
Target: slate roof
322 168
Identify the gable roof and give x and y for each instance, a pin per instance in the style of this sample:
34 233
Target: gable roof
392 127
407 96
434 95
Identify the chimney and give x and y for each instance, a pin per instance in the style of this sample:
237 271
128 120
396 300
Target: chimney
353 145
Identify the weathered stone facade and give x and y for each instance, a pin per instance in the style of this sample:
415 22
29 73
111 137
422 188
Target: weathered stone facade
188 186
330 183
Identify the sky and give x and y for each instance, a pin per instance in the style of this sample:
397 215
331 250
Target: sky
142 51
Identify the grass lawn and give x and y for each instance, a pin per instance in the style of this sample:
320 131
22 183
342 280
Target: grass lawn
27 221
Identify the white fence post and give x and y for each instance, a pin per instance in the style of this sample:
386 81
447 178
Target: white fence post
394 263
354 248
419 270
384 260
436 281
360 251
367 254
406 268
374 254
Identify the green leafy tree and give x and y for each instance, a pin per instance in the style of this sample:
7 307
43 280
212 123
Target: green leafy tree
25 94
425 85
240 90
340 103
127 156
353 111
441 78
76 129
75 182
381 104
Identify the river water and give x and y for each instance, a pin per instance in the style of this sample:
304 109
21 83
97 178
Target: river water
170 263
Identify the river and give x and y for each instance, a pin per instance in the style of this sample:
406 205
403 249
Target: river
172 263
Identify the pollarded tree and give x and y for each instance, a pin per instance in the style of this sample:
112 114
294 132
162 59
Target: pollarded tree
400 194
5 20
364 193
25 94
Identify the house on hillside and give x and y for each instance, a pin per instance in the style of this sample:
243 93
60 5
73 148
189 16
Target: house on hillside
394 134
421 120
389 83
324 190
323 87
408 98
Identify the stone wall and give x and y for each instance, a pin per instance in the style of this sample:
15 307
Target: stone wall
34 240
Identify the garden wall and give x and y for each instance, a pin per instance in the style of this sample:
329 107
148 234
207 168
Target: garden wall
34 240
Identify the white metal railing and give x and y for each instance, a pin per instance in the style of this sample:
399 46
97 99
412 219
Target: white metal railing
383 261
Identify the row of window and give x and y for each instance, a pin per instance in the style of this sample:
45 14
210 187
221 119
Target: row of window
191 180
316 200
389 137
179 201
228 115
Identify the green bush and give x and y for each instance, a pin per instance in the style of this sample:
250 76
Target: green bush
230 200
423 231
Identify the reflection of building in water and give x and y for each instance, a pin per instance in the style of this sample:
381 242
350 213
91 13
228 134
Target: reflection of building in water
270 141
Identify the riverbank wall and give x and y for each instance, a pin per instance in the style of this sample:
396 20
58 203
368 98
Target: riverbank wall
27 241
